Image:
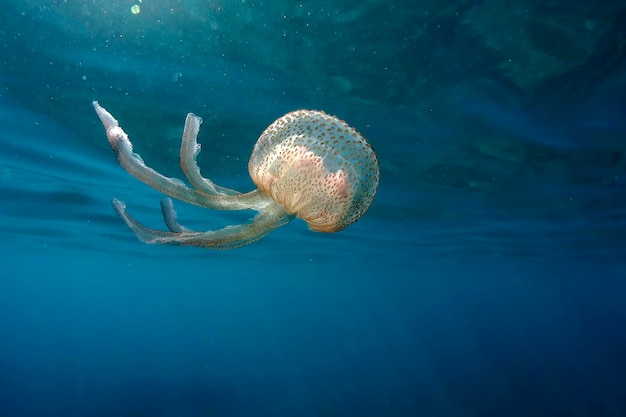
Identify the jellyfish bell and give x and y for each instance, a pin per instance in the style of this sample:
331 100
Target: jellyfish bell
317 167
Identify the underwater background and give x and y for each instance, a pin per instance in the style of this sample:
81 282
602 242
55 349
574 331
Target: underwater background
488 278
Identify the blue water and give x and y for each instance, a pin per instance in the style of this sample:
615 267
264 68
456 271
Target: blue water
488 278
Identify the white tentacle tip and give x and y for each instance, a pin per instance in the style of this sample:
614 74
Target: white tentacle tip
105 117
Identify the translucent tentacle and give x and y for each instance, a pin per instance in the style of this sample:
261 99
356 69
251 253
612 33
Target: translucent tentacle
228 238
134 165
169 215
189 150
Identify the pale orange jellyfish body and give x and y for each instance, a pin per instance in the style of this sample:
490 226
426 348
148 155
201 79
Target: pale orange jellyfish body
317 167
306 164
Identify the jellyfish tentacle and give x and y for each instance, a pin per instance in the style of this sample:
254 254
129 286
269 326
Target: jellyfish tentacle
229 237
135 166
189 150
170 217
120 208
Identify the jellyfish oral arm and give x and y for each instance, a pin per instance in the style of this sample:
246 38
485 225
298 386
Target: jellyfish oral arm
210 195
227 238
205 194
189 150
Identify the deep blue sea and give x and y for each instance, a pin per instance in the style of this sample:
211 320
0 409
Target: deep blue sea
488 277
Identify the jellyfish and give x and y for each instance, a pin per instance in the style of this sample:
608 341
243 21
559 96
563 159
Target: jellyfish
307 164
